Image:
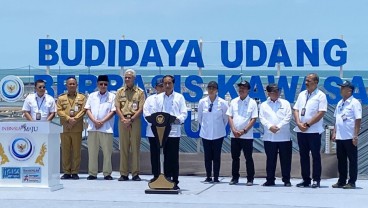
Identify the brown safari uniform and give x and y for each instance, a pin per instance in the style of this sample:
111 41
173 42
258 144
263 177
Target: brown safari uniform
71 139
129 101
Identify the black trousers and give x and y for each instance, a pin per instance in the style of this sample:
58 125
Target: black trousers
346 150
171 159
310 142
284 149
237 145
155 155
212 153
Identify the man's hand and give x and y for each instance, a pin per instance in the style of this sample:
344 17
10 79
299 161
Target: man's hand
236 133
302 127
274 129
355 140
126 122
72 121
98 124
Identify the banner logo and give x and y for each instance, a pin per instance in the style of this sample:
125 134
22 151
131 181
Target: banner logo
12 88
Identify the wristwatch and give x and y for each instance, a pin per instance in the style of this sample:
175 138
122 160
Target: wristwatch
307 124
245 131
132 120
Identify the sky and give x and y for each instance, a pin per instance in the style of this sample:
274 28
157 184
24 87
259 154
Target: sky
24 22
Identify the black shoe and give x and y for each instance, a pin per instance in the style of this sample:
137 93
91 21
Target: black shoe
136 178
91 177
269 183
249 183
153 179
315 184
287 184
108 177
303 184
75 176
216 180
176 187
234 181
123 178
65 177
349 186
208 180
338 185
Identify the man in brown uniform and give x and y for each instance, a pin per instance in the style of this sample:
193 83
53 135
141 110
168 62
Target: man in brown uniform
129 106
70 108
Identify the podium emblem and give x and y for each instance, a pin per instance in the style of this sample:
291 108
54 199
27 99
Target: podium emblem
160 119
21 149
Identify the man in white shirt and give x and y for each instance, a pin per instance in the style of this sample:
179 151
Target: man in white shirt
149 109
100 108
275 115
348 114
213 120
173 103
39 106
242 112
309 110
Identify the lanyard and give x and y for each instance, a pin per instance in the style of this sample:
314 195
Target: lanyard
71 104
39 106
308 96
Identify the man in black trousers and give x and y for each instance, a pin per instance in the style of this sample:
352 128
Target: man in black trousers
275 115
309 110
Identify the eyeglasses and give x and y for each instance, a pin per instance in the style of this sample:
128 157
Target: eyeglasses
210 108
103 84
41 87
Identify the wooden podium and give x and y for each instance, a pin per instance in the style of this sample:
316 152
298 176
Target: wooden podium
161 127
30 155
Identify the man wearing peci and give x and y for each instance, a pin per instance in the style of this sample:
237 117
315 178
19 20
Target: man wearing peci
275 114
129 106
149 109
173 103
100 108
70 108
348 114
309 110
39 106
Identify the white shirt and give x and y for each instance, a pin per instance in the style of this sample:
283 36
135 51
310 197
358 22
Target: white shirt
100 106
213 124
149 109
175 106
313 103
44 105
346 113
242 111
278 114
